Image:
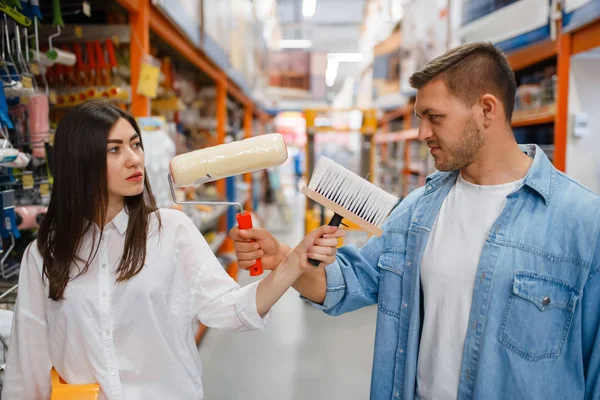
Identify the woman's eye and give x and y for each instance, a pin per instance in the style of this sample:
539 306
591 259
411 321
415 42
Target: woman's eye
137 145
113 150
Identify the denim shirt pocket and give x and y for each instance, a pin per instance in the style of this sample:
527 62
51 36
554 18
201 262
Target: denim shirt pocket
391 273
538 315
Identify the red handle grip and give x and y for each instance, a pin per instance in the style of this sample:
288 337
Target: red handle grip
244 221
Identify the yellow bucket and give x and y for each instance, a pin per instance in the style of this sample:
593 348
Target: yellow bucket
63 391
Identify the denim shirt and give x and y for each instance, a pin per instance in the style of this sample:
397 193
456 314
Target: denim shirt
535 313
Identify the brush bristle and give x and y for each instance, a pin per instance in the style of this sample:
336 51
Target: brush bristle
351 192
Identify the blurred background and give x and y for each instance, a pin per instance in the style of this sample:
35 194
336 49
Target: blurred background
331 76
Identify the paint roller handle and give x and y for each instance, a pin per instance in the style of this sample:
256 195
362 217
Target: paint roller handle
244 221
336 221
57 14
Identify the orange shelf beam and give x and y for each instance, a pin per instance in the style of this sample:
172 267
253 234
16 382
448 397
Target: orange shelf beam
586 38
532 55
165 29
534 119
409 134
130 5
139 47
397 113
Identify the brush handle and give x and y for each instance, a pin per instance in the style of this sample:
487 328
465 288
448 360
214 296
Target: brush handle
244 221
336 220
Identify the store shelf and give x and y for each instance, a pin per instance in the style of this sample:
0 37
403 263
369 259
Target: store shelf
532 55
534 119
214 218
409 134
217 242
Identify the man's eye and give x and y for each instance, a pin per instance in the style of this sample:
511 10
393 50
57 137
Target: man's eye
434 118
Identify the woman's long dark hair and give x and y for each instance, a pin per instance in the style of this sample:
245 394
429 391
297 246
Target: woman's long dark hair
80 198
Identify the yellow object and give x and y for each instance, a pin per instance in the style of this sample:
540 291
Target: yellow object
63 391
149 79
44 189
28 180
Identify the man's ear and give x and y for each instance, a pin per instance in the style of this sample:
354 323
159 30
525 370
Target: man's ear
490 108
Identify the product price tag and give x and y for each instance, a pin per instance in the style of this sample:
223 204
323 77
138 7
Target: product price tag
53 97
35 69
27 82
28 180
149 78
44 189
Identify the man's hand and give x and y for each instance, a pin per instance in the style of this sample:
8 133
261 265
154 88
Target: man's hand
265 247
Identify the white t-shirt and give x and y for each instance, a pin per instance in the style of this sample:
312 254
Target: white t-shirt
448 271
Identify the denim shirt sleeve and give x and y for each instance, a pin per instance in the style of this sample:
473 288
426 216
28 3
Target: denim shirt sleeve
353 279
591 329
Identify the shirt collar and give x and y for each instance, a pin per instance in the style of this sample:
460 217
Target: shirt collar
541 176
121 220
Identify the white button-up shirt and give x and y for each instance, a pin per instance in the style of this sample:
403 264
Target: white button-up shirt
134 338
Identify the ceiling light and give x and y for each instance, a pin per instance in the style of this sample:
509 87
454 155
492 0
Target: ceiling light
295 44
309 7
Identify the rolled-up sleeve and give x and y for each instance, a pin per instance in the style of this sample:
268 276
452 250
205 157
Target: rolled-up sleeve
28 365
215 298
353 279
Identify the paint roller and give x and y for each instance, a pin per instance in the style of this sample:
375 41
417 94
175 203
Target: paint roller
222 161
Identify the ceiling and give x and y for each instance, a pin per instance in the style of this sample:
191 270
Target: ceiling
334 28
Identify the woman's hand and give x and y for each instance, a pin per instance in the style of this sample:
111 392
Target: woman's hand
320 244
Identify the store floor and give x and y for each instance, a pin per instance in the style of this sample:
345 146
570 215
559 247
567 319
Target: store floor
303 354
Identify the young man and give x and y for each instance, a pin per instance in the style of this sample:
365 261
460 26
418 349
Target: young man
486 279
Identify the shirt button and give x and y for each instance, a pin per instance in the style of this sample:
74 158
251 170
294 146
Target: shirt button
546 301
474 324
103 265
396 394
428 187
401 351
408 263
405 305
468 374
104 294
482 276
107 332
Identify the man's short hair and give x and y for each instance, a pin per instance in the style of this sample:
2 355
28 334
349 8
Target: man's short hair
470 71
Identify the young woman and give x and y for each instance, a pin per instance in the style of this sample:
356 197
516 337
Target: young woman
109 290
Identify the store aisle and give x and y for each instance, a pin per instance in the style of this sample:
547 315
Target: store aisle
303 354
